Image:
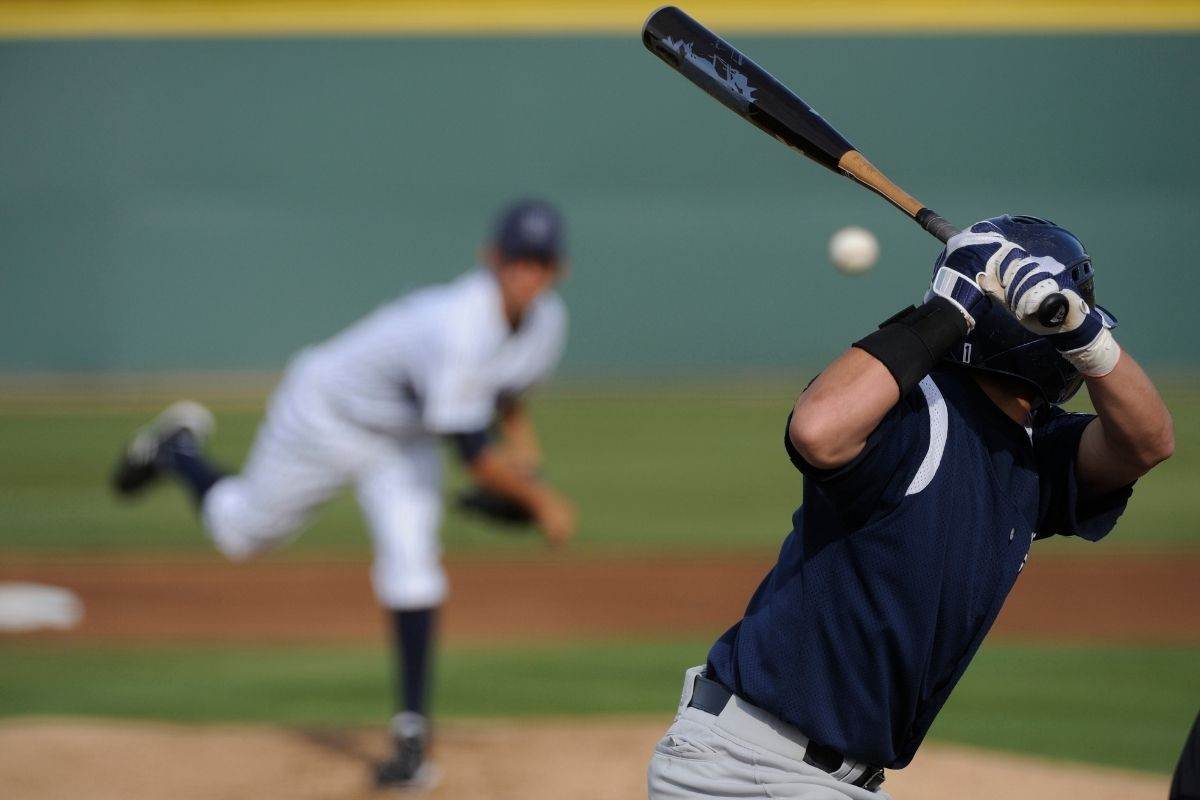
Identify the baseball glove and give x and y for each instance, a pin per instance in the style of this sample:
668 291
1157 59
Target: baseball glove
493 507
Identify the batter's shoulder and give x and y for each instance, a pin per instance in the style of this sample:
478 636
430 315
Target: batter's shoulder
955 385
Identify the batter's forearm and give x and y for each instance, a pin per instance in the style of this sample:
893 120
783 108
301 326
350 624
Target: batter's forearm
837 412
1133 431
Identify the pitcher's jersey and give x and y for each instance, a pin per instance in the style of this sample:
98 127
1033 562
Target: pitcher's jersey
898 564
436 360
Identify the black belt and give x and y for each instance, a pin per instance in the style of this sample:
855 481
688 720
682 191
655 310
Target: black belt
711 698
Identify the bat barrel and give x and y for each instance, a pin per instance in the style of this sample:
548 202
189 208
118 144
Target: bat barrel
741 85
749 91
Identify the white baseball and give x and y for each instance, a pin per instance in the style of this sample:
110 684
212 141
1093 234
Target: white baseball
853 250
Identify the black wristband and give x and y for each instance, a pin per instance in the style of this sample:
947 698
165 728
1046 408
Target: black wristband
910 343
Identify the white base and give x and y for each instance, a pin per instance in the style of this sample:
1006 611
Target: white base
26 607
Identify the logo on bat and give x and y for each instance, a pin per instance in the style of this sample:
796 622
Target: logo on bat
736 90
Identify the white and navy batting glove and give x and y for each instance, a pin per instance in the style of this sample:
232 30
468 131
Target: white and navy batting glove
961 269
1021 282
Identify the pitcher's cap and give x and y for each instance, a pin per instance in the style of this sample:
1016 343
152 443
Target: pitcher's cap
529 229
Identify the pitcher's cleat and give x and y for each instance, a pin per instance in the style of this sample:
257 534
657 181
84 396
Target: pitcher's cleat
186 423
409 767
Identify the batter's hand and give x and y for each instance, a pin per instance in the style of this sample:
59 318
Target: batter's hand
555 515
1020 282
960 273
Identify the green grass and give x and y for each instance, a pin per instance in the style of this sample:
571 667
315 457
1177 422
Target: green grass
339 685
1124 706
674 468
648 471
1127 707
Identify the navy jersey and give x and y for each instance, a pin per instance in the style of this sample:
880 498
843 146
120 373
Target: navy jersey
898 563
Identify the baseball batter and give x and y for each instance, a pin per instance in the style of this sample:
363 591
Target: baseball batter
367 409
1185 784
933 453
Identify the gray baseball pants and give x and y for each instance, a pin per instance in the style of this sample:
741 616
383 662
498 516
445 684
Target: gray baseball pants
743 752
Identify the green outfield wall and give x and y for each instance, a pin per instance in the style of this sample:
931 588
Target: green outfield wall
215 204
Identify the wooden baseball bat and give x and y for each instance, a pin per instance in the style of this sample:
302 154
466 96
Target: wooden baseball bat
710 62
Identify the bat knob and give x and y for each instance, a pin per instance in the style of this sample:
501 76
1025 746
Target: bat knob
1053 310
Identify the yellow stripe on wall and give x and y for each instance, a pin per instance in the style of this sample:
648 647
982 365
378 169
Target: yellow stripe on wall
84 18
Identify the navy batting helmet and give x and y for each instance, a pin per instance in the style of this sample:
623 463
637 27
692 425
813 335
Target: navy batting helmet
1002 345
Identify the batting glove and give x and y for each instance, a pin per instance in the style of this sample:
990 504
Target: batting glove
961 270
1021 282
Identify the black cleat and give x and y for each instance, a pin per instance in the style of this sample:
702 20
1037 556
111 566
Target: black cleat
139 464
409 767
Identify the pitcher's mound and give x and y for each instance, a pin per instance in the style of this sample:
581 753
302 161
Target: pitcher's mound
493 760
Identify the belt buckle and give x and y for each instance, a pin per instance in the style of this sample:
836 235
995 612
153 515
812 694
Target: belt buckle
873 780
823 758
829 760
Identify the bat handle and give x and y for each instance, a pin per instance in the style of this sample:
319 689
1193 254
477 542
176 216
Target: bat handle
1052 311
936 224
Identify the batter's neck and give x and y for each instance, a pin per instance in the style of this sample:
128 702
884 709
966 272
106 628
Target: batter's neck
1010 396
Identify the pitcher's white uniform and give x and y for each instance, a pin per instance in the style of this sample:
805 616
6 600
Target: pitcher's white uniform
367 408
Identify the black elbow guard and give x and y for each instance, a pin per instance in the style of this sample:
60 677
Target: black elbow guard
910 343
470 445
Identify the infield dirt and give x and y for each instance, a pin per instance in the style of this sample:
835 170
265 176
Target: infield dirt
1128 598
596 759
1152 599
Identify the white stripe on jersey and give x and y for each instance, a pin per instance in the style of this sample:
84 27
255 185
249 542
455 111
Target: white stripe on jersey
939 426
